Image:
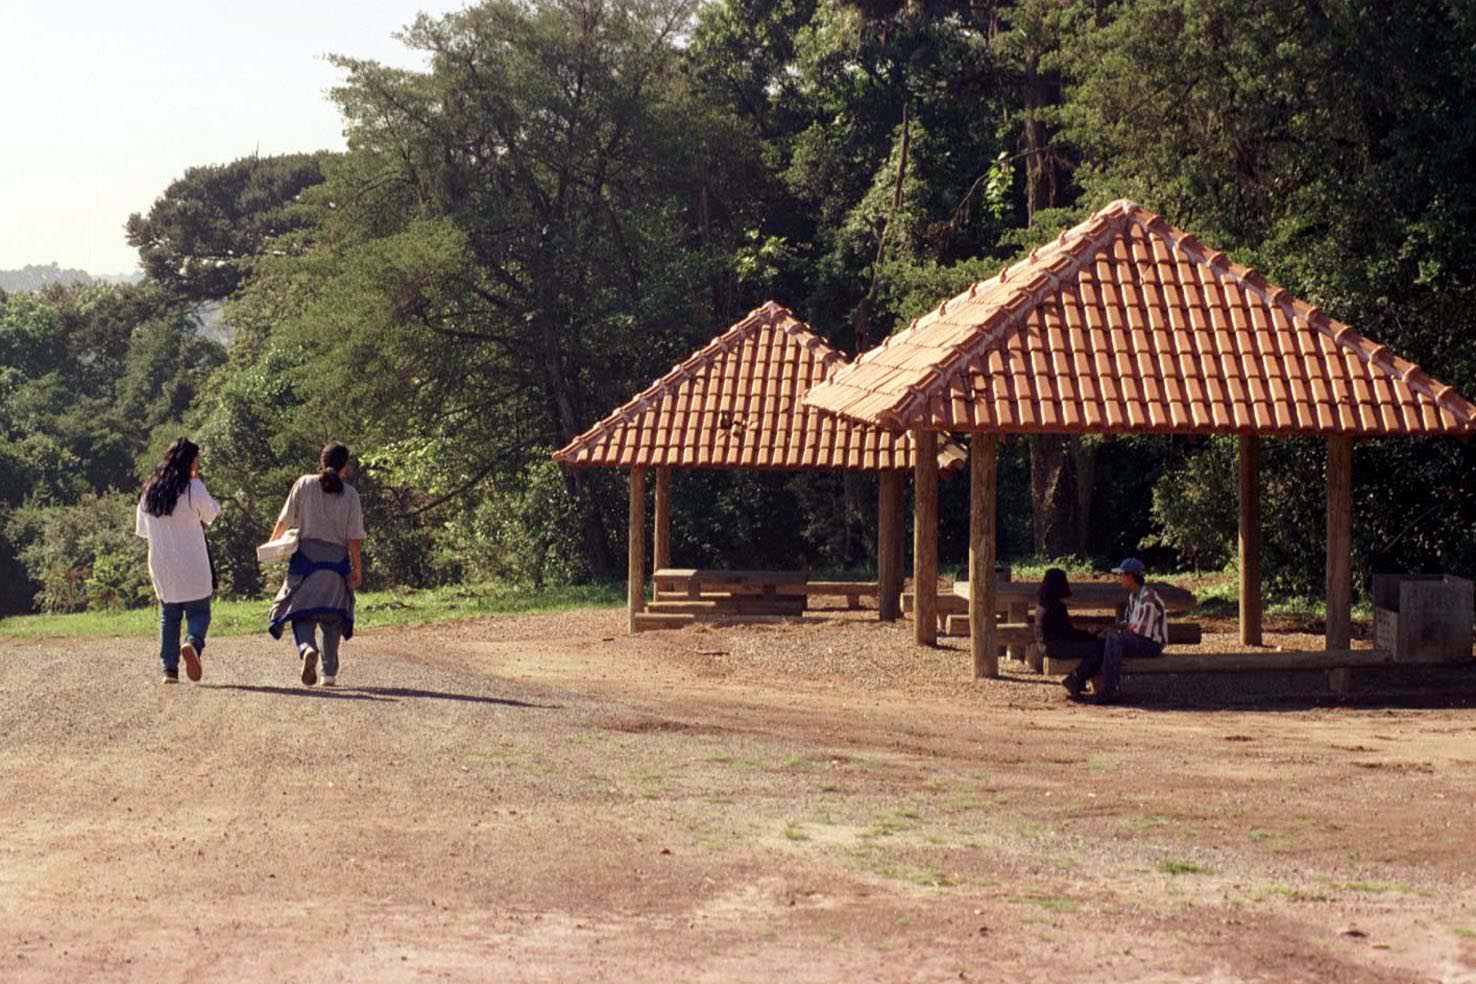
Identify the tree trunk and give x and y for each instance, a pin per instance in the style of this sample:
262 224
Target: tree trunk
1053 495
1084 457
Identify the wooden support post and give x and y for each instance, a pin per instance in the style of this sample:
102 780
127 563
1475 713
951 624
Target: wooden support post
661 555
983 546
1339 541
925 539
1250 540
636 568
889 545
1017 612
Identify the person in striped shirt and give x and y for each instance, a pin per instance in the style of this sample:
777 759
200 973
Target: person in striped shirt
1143 631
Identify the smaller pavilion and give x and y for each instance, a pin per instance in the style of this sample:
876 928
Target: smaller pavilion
735 403
1127 325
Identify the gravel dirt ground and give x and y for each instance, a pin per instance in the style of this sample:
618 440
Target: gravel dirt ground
542 798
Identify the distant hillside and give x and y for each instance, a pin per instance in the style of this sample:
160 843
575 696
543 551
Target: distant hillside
36 276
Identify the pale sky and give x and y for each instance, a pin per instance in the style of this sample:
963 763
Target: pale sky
104 102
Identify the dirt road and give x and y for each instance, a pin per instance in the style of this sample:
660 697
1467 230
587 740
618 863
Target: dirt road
543 798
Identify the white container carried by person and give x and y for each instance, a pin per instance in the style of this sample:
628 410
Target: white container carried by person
280 549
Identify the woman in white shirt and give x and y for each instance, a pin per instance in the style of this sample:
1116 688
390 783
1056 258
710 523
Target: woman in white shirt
171 515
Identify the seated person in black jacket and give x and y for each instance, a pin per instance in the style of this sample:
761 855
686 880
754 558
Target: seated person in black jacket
1054 633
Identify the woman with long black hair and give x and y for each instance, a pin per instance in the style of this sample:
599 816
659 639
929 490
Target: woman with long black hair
172 514
317 596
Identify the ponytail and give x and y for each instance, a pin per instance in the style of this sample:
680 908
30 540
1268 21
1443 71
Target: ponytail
334 457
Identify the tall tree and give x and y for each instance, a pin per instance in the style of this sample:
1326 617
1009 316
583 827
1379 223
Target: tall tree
197 237
547 209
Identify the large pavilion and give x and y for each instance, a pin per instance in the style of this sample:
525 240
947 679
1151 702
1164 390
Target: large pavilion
735 403
1127 325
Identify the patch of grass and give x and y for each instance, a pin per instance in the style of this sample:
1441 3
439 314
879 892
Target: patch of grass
734 762
929 877
1222 597
1465 932
1099 765
1171 867
1147 821
1294 894
511 757
885 826
922 875
398 606
1028 827
1378 887
651 783
795 832
1257 834
1050 903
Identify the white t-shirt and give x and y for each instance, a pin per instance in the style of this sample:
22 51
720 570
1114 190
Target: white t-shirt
319 515
178 563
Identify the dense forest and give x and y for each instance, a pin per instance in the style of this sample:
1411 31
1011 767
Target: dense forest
579 192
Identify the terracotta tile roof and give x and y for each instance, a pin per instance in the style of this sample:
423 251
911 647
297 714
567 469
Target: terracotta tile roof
1126 324
735 403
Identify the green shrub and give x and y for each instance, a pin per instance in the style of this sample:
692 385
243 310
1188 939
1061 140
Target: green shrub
524 531
1195 505
83 556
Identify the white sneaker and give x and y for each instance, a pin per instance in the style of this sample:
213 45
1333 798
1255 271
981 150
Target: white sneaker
330 681
309 666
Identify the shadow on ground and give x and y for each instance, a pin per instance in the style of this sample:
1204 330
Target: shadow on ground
388 695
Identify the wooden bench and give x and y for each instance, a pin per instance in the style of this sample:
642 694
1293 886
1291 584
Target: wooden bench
948 604
1335 662
852 591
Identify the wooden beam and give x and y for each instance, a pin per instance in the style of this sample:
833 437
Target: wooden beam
1339 541
983 547
1250 540
636 567
925 538
661 555
889 545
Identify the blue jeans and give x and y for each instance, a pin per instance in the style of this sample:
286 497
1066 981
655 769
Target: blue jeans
303 630
196 618
1122 644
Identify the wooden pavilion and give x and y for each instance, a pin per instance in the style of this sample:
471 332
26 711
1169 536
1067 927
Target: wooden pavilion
1127 325
735 403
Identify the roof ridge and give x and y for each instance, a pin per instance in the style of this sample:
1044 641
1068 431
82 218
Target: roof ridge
1074 233
1089 235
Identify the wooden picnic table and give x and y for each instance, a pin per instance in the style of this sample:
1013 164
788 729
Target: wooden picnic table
696 590
1085 595
696 580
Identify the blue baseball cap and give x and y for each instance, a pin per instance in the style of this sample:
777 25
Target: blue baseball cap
1130 566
